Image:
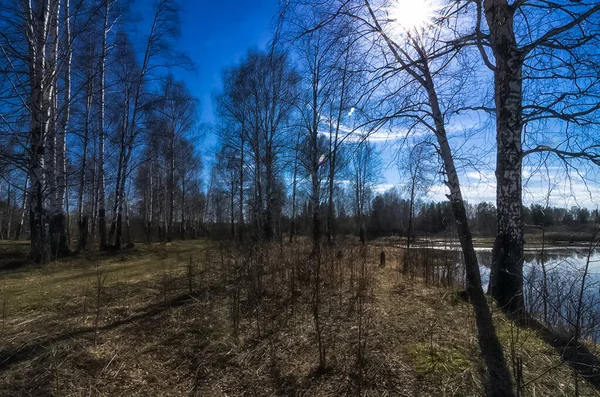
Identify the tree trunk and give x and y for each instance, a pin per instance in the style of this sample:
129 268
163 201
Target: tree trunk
118 192
21 224
333 154
121 200
101 182
241 203
81 215
171 220
59 245
294 188
410 227
37 33
61 157
127 219
314 158
506 280
183 218
232 208
499 381
269 230
9 211
149 223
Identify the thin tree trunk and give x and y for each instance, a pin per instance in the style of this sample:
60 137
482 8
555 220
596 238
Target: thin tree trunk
61 157
21 224
269 229
3 214
127 218
59 246
410 227
499 383
82 217
101 182
241 203
37 31
294 189
8 211
544 271
118 191
171 186
333 155
183 219
149 224
119 224
499 378
93 193
314 159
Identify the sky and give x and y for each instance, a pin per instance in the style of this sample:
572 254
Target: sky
217 35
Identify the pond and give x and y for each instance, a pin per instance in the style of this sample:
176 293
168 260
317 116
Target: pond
556 286
566 258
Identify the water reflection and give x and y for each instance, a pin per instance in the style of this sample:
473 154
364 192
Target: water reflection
561 285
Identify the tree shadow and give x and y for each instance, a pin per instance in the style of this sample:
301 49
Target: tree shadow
579 357
12 357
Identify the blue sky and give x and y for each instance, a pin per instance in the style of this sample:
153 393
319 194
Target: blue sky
217 34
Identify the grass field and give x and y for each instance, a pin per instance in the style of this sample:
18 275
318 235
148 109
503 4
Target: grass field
157 321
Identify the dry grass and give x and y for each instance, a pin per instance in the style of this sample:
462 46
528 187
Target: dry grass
155 339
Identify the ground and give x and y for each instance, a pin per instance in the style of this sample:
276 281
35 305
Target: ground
157 320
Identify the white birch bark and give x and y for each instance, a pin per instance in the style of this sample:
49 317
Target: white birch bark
37 18
101 138
506 281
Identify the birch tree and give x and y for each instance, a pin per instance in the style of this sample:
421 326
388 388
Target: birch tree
176 108
233 109
39 22
101 189
158 53
314 52
364 177
543 56
258 108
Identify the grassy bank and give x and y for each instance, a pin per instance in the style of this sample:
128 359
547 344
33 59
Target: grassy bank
151 322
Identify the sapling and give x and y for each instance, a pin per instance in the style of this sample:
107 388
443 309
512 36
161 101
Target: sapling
100 284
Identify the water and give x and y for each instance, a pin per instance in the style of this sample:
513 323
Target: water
566 281
559 258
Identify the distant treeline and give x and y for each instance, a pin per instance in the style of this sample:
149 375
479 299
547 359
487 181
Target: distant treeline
388 215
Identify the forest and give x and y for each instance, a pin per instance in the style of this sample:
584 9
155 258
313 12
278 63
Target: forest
147 250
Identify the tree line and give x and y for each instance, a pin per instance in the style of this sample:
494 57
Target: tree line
94 126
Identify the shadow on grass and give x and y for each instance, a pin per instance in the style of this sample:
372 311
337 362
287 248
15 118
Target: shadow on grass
14 255
9 358
585 363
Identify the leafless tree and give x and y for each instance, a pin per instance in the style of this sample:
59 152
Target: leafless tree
543 56
258 107
420 179
421 57
365 175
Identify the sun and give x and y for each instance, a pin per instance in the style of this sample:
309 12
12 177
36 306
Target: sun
409 15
